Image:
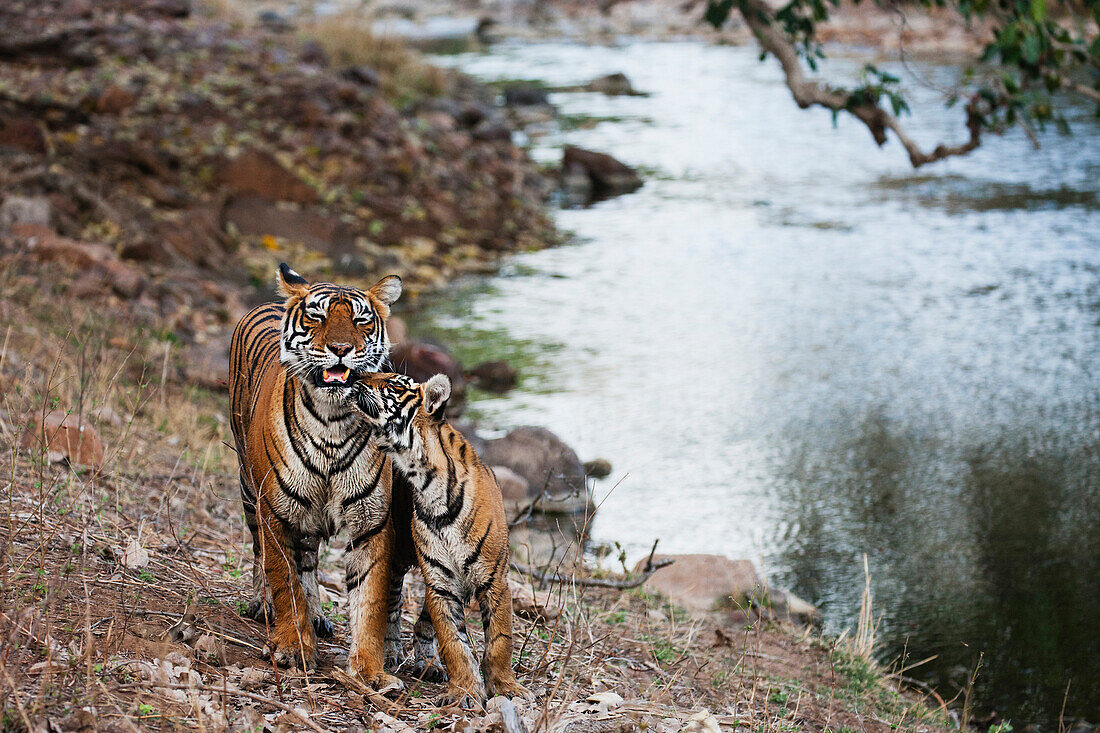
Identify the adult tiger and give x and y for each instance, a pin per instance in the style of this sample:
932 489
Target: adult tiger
306 463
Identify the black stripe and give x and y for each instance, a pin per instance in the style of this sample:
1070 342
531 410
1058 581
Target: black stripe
354 449
480 590
302 500
292 430
477 550
360 540
437 565
353 582
448 594
368 489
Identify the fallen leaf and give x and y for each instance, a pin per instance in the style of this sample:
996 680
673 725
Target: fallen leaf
135 556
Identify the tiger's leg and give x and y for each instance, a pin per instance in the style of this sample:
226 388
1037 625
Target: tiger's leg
259 608
293 638
394 651
367 571
305 560
448 616
426 665
496 618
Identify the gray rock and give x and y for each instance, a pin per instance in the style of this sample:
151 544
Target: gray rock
525 95
514 489
494 376
613 85
547 464
24 210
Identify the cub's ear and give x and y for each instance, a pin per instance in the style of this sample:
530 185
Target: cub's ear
437 391
289 283
387 290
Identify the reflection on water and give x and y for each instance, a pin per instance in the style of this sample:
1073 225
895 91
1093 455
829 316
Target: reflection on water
795 349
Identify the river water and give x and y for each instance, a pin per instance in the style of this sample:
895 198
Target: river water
794 348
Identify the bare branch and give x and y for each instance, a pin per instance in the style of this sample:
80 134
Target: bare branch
809 93
616 583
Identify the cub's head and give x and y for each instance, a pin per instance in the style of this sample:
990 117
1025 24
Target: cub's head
333 335
400 410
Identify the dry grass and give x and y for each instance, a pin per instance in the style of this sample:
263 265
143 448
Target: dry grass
348 40
86 640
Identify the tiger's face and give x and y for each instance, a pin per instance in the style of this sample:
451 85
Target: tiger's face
333 335
399 410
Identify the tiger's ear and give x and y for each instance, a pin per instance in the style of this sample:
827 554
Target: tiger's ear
289 283
387 290
437 391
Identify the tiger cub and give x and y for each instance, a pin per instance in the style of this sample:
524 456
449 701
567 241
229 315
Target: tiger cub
459 528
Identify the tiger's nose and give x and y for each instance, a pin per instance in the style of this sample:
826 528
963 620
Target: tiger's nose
339 349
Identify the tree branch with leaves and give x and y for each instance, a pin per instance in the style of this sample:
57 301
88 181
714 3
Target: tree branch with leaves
1033 59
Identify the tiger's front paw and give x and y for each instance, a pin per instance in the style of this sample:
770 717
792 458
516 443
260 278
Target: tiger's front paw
293 648
260 610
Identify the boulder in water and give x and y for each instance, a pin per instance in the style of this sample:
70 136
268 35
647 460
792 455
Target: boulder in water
607 176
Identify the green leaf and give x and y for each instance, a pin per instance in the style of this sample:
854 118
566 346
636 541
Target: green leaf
718 11
1032 47
1039 10
1094 47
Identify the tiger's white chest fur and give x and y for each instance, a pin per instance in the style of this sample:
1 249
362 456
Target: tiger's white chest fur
332 475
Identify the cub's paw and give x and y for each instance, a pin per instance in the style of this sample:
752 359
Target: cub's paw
260 610
382 682
394 656
428 670
511 689
291 656
324 627
460 697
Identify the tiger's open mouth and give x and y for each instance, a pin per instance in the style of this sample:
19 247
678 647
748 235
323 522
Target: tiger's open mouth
338 376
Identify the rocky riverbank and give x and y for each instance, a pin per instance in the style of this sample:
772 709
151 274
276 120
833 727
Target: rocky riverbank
182 141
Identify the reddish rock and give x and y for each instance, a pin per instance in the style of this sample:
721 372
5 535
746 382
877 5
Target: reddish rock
21 133
115 99
207 365
705 582
494 376
259 173
422 361
257 217
195 237
45 245
64 438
